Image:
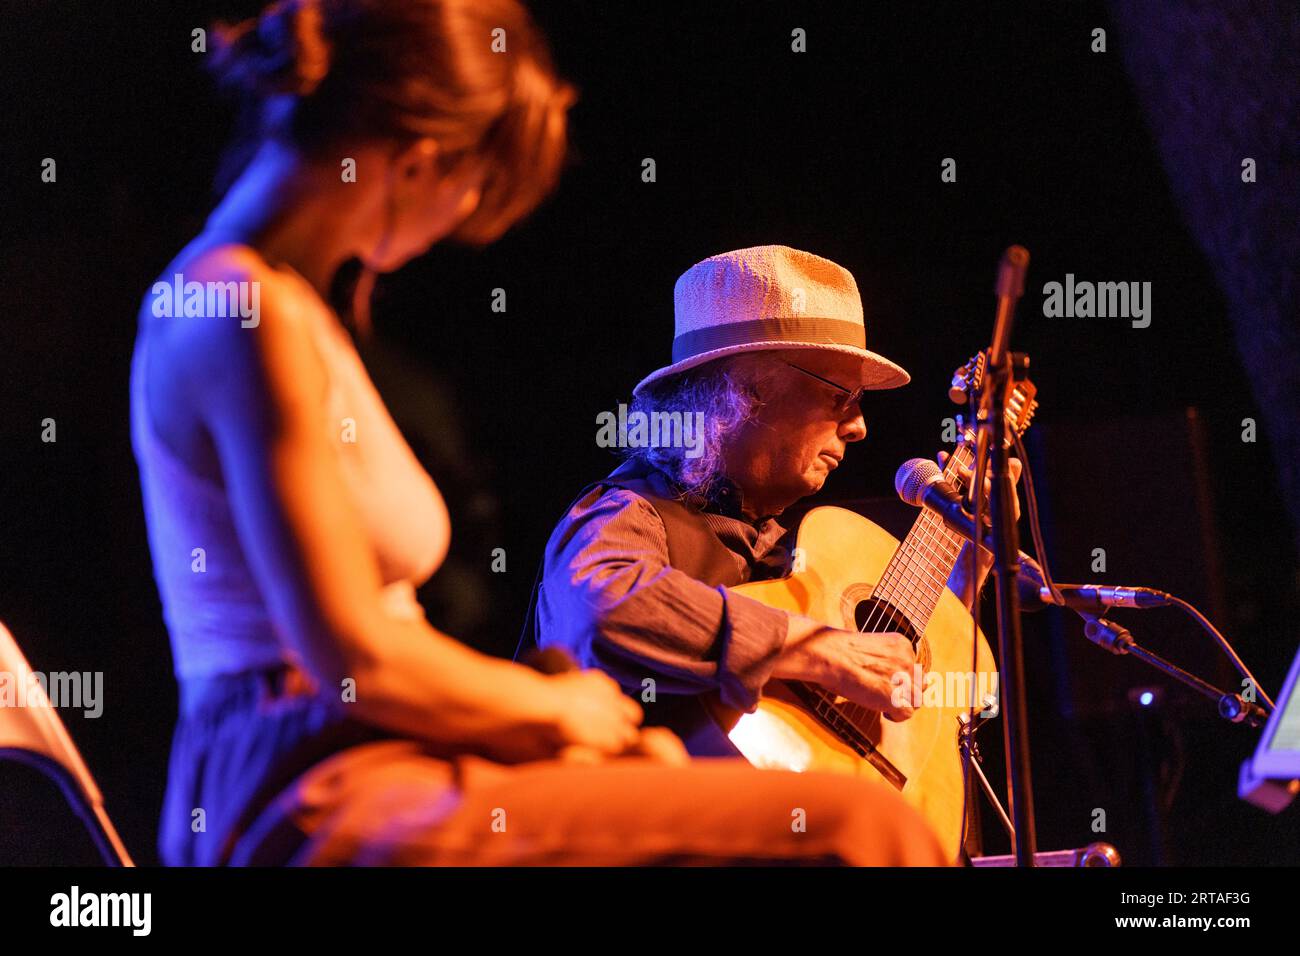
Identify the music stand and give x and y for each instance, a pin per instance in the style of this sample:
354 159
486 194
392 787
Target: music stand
1270 779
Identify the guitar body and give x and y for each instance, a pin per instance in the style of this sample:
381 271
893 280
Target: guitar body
845 556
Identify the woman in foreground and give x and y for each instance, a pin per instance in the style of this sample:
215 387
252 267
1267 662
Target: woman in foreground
323 720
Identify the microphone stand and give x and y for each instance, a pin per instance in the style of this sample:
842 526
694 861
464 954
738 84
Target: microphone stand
992 445
1112 637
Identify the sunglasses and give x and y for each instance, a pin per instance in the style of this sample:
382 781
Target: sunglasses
849 398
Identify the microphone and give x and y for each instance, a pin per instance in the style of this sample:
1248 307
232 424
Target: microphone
920 483
1092 597
1011 273
1096 598
1101 596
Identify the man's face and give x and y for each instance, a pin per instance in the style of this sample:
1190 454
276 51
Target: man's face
800 433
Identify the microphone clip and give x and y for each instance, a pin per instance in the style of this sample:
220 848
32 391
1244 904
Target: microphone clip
1106 634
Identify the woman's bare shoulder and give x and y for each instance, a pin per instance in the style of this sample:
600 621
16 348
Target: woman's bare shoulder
224 318
215 292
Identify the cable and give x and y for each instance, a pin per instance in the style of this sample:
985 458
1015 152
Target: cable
1201 619
1031 505
1237 662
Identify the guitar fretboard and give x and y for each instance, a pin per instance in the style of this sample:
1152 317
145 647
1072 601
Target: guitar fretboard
918 572
914 581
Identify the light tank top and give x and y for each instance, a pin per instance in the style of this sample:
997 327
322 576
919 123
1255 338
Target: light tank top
216 614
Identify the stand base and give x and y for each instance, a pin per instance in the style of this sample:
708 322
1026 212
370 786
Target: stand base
1094 854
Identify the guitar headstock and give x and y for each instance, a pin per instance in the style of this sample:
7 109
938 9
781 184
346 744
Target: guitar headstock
1020 406
968 379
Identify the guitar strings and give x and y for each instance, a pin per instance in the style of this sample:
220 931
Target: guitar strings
900 575
921 549
898 585
906 595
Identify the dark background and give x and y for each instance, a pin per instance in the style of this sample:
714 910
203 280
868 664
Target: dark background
836 151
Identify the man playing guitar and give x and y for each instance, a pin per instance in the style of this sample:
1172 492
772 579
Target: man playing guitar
636 579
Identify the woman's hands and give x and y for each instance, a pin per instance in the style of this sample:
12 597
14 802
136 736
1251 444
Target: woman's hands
584 718
592 713
598 721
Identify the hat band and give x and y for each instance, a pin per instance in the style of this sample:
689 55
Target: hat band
769 331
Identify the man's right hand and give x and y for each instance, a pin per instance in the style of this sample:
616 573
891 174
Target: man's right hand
871 669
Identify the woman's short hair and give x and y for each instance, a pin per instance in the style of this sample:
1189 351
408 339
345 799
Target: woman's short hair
474 75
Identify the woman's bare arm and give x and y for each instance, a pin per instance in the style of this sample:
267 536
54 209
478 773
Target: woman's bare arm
260 393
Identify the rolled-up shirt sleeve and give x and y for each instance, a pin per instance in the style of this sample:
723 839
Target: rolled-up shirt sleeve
610 598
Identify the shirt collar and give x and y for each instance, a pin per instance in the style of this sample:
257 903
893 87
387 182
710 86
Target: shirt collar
725 498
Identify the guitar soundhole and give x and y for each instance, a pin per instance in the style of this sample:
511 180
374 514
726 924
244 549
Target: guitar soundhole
880 616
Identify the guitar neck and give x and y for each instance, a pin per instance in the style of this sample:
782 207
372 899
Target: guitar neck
917 574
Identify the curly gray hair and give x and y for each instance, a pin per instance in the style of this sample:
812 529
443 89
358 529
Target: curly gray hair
726 392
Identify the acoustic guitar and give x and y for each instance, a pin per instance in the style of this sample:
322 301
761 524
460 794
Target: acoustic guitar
851 573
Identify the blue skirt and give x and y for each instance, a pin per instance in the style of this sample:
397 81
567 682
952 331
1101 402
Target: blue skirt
240 740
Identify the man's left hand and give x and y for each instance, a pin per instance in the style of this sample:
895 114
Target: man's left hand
1014 465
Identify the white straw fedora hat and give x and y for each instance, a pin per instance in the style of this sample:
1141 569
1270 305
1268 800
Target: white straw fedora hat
770 297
